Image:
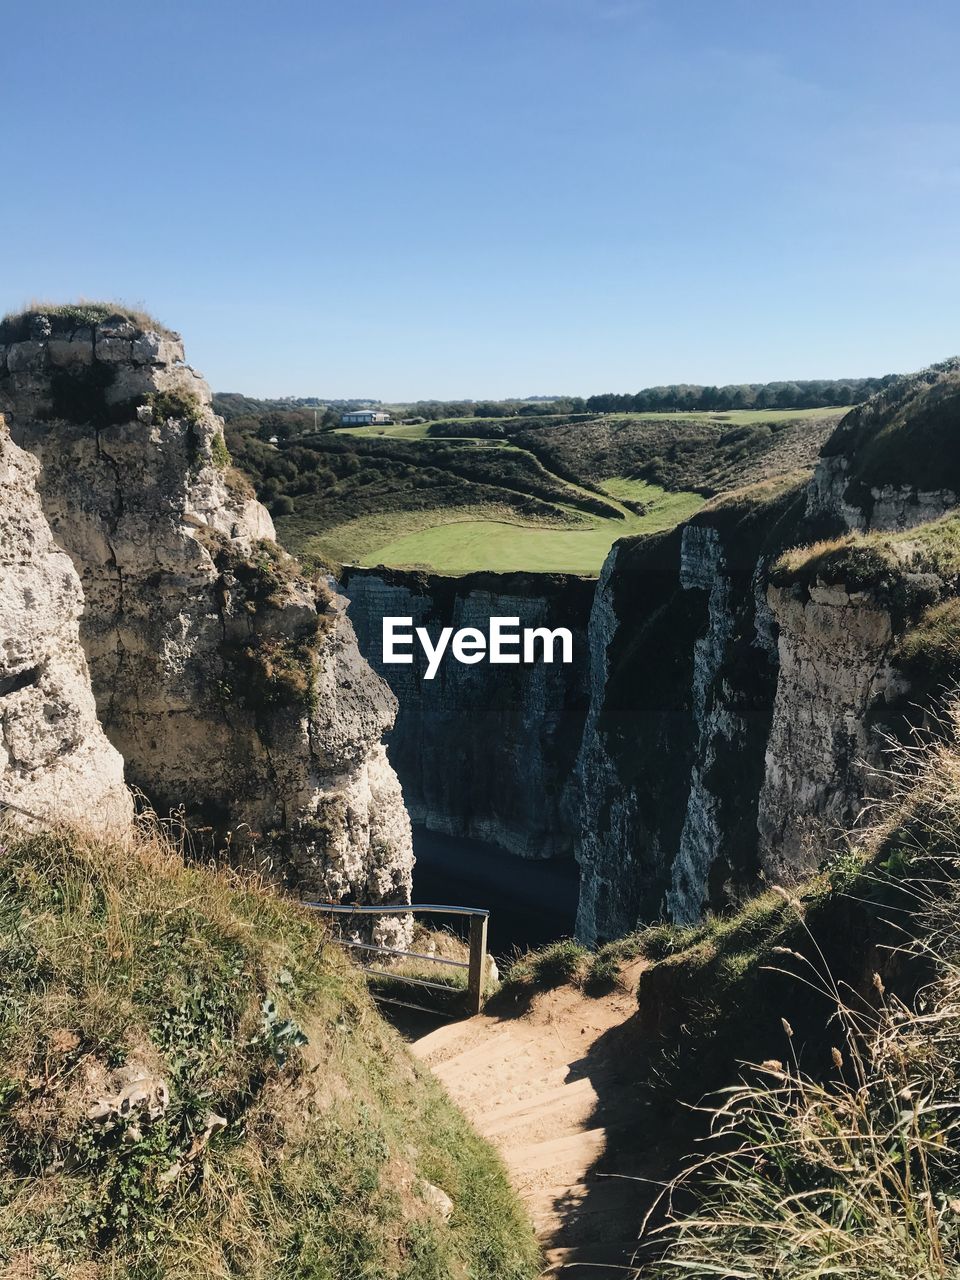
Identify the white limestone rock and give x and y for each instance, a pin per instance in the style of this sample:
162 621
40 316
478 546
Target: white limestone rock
234 691
55 761
835 666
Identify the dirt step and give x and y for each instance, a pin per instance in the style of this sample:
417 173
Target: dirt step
576 1150
590 1210
571 1104
548 1086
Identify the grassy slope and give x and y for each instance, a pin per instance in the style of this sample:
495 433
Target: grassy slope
358 541
525 496
838 1152
906 435
115 961
704 452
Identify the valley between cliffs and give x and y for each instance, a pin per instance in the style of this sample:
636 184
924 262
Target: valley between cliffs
732 695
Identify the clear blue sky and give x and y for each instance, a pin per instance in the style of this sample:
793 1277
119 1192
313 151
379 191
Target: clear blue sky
414 198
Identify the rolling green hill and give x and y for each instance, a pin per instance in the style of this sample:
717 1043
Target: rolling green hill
548 493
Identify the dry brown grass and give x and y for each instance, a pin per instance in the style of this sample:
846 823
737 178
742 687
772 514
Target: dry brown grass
857 1174
865 557
82 312
796 558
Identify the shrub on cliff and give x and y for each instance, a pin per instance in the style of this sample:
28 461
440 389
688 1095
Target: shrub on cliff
194 1082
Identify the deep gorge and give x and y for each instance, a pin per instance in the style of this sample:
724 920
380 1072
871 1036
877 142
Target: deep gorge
726 710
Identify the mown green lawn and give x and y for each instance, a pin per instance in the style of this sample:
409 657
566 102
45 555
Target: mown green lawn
502 545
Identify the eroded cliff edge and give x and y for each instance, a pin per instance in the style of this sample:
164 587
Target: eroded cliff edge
750 665
231 685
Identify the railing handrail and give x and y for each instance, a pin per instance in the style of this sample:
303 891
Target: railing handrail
479 917
406 955
348 908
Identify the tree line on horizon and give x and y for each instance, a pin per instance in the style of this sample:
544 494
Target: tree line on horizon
296 416
813 393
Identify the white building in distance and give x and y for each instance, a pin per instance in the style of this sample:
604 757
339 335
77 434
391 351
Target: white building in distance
364 418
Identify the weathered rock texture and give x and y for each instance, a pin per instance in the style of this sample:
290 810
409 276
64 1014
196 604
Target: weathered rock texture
233 688
855 506
684 678
836 651
483 751
55 761
741 705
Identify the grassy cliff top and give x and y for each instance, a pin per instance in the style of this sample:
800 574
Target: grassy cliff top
65 317
886 564
194 1082
907 434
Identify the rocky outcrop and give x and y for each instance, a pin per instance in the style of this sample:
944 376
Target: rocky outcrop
892 463
483 751
835 496
55 761
233 687
836 671
739 715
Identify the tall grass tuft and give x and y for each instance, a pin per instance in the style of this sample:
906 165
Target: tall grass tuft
855 1173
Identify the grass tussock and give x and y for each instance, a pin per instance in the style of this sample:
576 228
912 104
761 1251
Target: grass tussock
931 648
554 965
851 1170
297 1138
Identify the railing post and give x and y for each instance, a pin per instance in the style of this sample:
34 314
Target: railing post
478 955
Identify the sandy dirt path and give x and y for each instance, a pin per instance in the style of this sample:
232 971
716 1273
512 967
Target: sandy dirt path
553 1085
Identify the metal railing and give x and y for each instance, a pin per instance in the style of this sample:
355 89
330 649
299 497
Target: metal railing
478 917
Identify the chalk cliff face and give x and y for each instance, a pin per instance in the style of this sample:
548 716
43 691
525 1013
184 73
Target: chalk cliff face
740 703
483 751
684 677
836 650
233 687
55 761
889 506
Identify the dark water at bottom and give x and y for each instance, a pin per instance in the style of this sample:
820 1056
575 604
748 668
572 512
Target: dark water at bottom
532 901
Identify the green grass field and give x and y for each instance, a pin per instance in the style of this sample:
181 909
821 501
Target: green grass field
736 417
393 430
468 544
360 541
541 510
